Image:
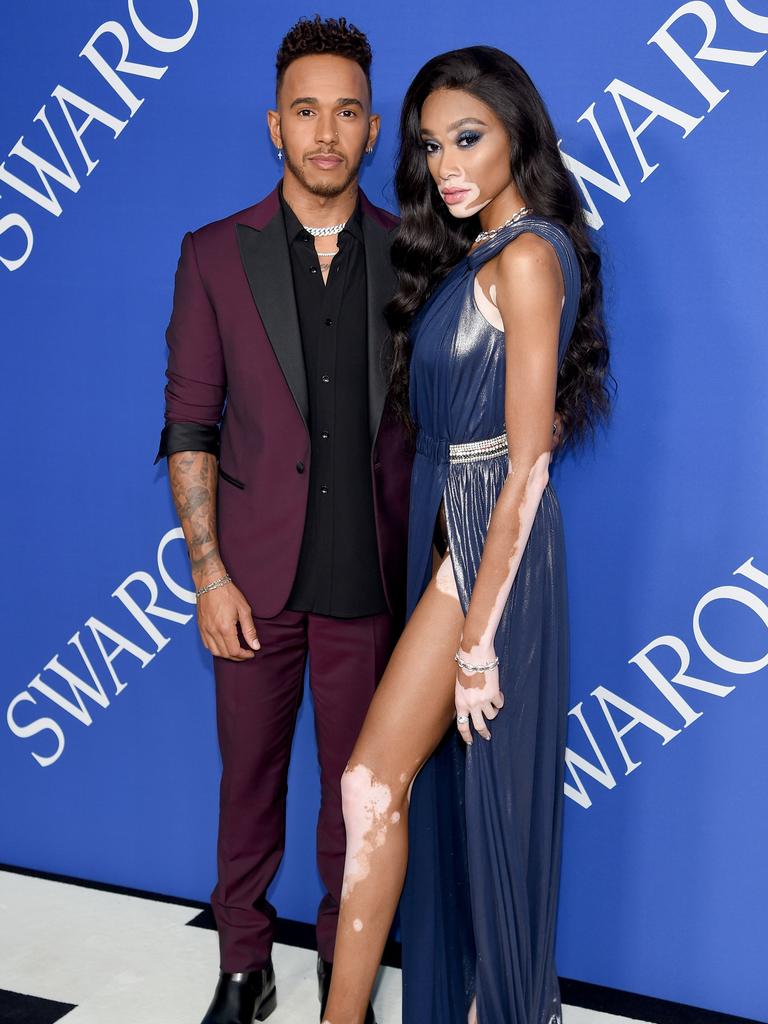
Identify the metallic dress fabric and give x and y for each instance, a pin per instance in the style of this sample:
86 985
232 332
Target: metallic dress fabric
479 907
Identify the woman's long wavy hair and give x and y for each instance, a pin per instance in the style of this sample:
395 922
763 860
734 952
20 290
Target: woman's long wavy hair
429 241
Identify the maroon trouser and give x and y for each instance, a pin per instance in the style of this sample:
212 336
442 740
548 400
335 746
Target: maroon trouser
257 702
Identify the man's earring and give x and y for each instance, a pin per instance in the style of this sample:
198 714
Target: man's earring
369 149
279 153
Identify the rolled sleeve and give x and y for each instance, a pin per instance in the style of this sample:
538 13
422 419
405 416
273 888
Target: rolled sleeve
196 375
188 437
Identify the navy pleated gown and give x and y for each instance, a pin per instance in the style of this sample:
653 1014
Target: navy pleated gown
479 907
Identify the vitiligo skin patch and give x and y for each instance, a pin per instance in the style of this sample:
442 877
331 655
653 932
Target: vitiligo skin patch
367 804
535 486
445 580
486 304
472 202
477 694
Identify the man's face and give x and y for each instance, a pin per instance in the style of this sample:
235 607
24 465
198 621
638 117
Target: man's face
323 122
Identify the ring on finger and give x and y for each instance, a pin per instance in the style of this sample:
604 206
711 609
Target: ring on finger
462 719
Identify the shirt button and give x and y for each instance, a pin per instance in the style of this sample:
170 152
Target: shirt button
323 489
325 379
328 322
325 435
299 467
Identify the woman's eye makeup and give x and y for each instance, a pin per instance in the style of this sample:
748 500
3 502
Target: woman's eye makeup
465 140
468 138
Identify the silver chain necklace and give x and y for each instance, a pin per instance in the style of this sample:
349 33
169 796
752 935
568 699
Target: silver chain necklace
334 229
485 235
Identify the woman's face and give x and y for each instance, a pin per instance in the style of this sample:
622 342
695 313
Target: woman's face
467 150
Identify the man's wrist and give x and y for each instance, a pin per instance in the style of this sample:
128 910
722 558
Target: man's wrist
206 568
220 581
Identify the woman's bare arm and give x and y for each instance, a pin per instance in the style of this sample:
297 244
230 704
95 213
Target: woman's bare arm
526 284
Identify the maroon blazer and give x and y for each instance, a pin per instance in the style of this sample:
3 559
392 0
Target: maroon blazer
236 366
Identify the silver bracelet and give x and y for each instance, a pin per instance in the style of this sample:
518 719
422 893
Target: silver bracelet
474 668
220 582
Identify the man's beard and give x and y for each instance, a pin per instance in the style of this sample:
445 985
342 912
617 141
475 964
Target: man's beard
326 191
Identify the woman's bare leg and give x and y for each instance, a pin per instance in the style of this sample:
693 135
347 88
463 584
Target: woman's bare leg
410 713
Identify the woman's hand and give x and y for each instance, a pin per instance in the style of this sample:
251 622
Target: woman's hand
477 697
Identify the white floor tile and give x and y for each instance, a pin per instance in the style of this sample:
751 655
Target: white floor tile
126 960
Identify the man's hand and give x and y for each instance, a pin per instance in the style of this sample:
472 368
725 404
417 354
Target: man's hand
218 614
194 478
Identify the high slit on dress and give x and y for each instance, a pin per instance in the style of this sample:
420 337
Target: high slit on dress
479 905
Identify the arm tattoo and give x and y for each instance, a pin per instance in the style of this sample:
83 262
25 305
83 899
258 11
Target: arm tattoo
194 476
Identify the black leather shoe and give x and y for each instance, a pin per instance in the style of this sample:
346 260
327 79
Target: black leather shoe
243 998
324 969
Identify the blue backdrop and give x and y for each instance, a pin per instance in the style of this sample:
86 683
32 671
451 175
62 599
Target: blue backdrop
114 776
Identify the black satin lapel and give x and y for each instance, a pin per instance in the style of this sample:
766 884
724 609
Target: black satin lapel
267 264
380 288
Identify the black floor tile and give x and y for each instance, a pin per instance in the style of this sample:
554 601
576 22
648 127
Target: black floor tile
16 1008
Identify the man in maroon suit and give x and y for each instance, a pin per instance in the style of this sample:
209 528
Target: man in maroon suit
290 476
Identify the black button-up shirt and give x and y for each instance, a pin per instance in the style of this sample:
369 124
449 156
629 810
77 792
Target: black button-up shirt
338 572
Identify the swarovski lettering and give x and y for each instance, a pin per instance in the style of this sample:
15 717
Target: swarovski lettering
78 114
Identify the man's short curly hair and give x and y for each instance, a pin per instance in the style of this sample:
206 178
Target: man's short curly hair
336 36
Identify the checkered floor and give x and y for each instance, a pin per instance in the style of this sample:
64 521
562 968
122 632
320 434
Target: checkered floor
90 957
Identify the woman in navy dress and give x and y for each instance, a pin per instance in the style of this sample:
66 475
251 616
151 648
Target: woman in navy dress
497 326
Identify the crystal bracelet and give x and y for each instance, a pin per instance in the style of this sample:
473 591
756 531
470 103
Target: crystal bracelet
220 582
475 668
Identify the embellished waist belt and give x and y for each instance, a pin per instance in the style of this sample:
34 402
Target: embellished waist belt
474 451
439 450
